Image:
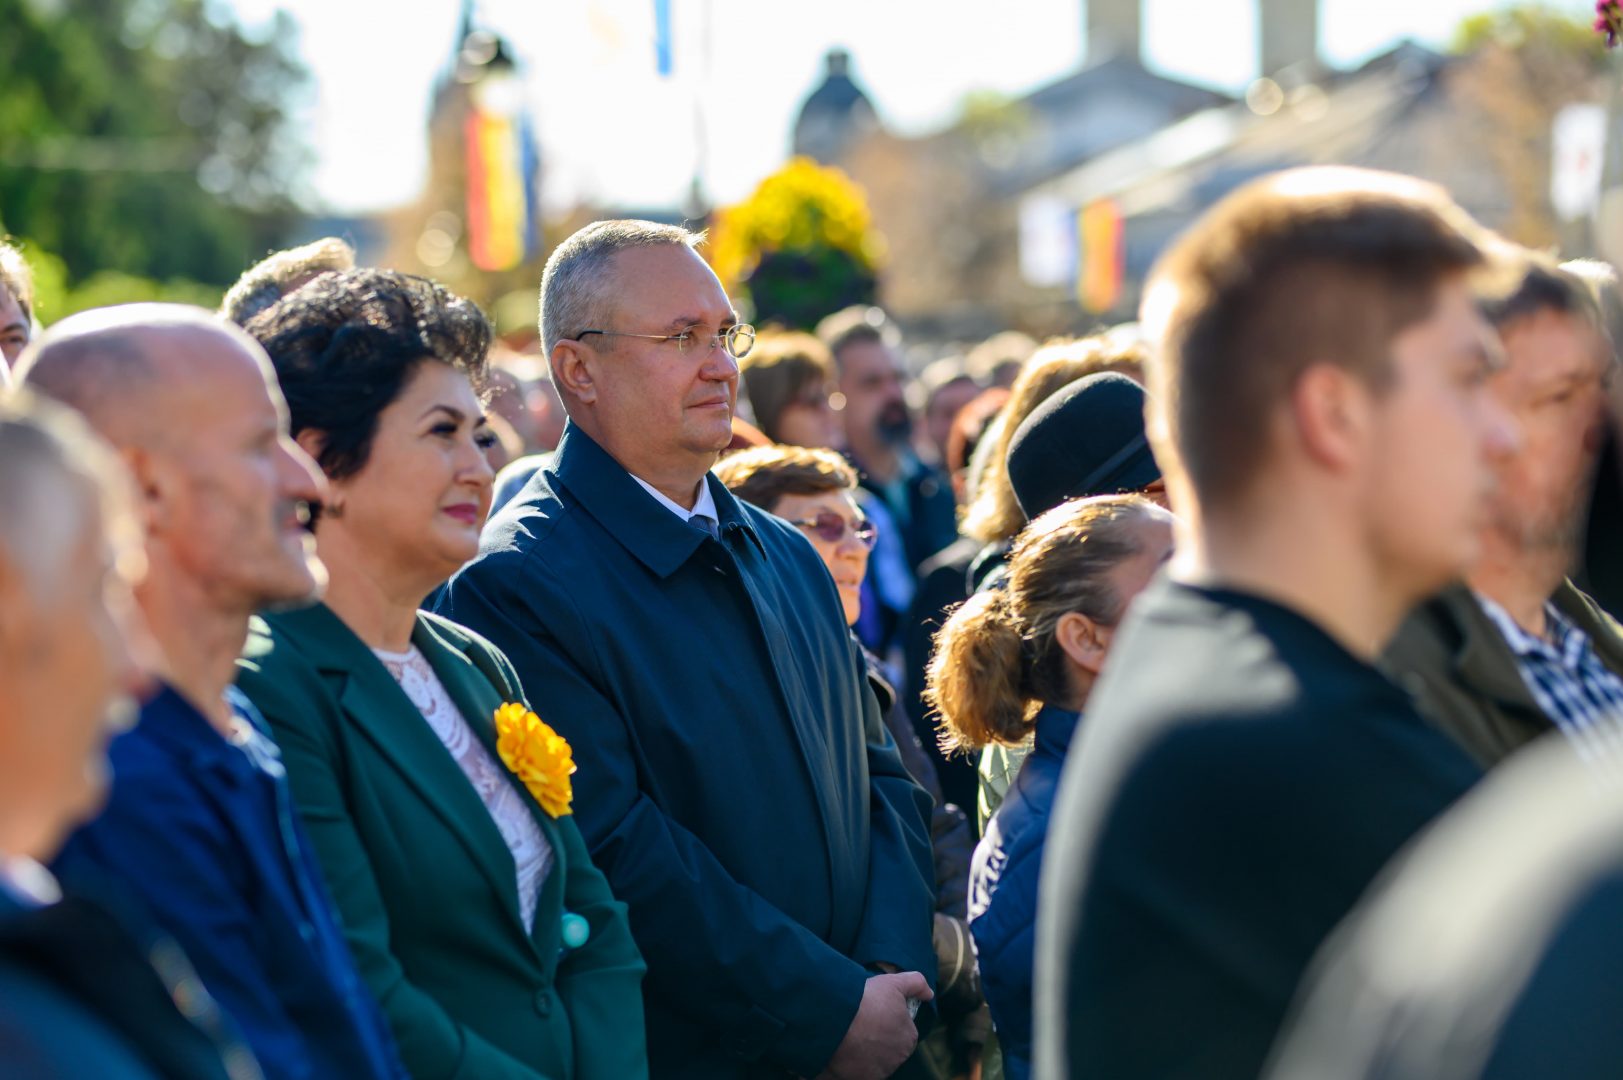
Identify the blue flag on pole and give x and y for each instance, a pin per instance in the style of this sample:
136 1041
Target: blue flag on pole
662 37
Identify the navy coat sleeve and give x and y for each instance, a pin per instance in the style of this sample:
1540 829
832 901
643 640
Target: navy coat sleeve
772 989
172 851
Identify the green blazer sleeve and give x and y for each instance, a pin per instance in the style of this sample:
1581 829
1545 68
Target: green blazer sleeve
432 1044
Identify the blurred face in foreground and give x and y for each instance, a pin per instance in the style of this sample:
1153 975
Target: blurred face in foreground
70 682
1431 440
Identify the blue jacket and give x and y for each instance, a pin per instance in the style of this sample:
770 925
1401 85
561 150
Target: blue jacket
736 784
203 833
1003 888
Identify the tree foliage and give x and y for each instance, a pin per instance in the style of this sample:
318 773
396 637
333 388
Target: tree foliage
146 138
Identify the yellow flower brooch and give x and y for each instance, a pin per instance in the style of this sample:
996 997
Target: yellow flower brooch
537 755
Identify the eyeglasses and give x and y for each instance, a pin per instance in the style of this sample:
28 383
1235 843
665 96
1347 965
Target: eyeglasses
738 339
831 528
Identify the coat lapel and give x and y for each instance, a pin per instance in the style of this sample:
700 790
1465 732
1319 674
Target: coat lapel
478 699
1484 661
374 703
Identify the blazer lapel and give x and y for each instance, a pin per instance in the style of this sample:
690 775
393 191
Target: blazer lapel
375 704
478 699
1484 661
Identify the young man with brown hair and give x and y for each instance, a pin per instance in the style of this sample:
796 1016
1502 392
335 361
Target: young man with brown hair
1318 408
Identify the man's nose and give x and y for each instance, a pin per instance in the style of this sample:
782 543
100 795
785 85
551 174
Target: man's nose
1501 435
300 477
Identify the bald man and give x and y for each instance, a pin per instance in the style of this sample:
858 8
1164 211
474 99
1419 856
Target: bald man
199 825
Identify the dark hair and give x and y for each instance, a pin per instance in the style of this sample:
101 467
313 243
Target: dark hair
765 474
345 345
969 427
857 325
996 661
1542 285
1306 266
777 370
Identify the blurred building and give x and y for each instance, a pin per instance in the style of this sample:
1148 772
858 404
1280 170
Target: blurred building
835 116
1108 164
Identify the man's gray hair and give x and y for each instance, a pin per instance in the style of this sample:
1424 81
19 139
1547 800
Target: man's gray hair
49 455
279 273
577 277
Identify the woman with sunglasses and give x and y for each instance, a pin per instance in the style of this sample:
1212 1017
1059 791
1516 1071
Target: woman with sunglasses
816 491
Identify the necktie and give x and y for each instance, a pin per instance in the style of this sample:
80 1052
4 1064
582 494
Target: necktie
708 524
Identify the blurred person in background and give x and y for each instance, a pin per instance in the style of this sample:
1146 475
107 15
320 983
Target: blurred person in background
1014 665
1517 650
815 491
994 516
16 308
788 379
997 360
1318 404
467 895
688 644
1085 440
280 273
199 826
946 387
879 430
82 992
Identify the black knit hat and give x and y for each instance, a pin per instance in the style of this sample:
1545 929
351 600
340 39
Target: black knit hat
1086 439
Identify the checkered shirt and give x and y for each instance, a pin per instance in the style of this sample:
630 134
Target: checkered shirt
1579 693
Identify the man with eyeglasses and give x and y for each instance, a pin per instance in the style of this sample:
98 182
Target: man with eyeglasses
735 781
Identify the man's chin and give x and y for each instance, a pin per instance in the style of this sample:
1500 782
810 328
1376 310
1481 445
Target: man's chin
301 589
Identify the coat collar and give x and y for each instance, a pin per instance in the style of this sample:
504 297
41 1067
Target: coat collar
651 533
1482 659
1054 728
375 704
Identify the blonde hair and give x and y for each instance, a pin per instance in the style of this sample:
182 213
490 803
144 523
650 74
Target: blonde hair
995 514
996 660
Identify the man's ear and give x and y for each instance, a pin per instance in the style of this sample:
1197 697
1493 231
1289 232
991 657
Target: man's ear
155 483
572 365
1084 640
1330 408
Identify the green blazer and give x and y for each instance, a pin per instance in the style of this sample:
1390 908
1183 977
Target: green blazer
421 876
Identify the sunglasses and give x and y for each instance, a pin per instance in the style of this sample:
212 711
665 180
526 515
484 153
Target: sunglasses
831 527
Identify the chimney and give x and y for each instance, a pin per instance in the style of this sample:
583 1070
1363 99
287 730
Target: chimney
1289 34
1114 29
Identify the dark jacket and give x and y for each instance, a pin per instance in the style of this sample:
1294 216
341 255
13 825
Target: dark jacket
83 994
735 784
421 873
942 587
1003 889
950 839
1463 676
1242 781
204 833
923 506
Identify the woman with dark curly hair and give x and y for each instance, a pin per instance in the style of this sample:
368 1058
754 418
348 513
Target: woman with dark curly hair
437 803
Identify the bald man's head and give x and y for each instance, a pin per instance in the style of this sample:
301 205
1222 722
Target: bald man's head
192 404
127 369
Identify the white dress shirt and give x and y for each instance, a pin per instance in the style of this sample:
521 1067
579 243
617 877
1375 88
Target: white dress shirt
703 507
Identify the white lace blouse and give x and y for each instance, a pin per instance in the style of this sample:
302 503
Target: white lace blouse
532 855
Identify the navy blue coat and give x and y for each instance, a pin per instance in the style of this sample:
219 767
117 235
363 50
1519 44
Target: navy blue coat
204 834
1003 889
735 783
84 994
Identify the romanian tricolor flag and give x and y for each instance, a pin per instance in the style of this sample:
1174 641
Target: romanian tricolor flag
503 201
1099 269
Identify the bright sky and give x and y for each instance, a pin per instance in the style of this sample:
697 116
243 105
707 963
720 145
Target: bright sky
612 130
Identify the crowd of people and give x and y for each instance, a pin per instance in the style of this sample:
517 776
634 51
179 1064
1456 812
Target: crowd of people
684 699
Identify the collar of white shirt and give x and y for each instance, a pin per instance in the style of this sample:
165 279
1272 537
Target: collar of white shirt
27 882
703 506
